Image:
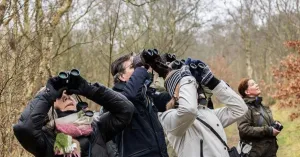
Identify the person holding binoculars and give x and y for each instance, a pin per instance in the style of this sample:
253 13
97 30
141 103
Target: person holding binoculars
257 127
144 136
191 127
55 124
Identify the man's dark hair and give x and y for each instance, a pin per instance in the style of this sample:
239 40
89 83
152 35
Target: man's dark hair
243 86
117 66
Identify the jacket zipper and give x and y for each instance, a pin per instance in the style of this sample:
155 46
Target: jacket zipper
201 148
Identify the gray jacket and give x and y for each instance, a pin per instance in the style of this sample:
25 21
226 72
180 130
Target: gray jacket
189 137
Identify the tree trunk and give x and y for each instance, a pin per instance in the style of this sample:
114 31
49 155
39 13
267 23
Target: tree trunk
3 5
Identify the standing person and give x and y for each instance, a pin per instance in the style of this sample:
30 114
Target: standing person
186 122
257 126
51 125
144 136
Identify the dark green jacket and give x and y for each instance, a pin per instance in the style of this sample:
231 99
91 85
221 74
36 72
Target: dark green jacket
256 124
255 127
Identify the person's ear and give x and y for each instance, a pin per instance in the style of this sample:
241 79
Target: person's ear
121 77
246 92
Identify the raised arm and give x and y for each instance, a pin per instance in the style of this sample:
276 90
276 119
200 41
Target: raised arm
177 121
120 109
235 105
28 130
135 85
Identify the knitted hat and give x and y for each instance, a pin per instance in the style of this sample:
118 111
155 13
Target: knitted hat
172 81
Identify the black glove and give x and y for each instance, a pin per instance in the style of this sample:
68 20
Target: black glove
82 87
54 89
200 71
152 58
137 62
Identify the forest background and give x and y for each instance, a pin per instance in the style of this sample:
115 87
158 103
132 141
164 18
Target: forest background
237 38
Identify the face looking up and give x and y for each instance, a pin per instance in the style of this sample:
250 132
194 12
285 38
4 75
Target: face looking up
65 103
128 70
253 89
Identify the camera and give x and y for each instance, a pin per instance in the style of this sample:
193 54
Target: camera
276 125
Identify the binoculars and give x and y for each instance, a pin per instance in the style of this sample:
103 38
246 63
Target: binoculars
69 77
150 55
169 57
82 106
195 67
177 64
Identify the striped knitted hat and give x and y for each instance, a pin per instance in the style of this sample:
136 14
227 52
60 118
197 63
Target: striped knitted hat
172 81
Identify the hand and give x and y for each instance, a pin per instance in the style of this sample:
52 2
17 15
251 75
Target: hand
275 132
81 87
54 89
152 58
137 62
201 71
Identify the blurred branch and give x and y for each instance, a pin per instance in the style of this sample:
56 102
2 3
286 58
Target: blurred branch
77 44
60 12
138 5
71 28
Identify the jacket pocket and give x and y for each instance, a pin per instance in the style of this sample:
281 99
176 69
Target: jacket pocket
201 148
140 152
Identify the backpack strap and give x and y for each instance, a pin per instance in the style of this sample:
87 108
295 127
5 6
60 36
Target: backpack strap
212 130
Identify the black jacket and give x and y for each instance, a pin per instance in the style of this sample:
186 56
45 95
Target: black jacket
38 140
144 137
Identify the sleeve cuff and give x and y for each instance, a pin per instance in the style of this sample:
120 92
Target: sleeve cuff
213 83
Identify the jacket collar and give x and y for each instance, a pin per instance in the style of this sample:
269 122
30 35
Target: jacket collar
254 101
119 87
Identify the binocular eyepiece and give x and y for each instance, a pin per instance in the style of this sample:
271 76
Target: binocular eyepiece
194 66
68 76
170 57
152 52
177 64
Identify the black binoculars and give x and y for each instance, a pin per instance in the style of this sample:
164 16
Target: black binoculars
152 52
69 77
151 56
82 106
194 66
177 64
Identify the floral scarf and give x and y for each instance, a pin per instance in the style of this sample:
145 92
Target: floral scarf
68 128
